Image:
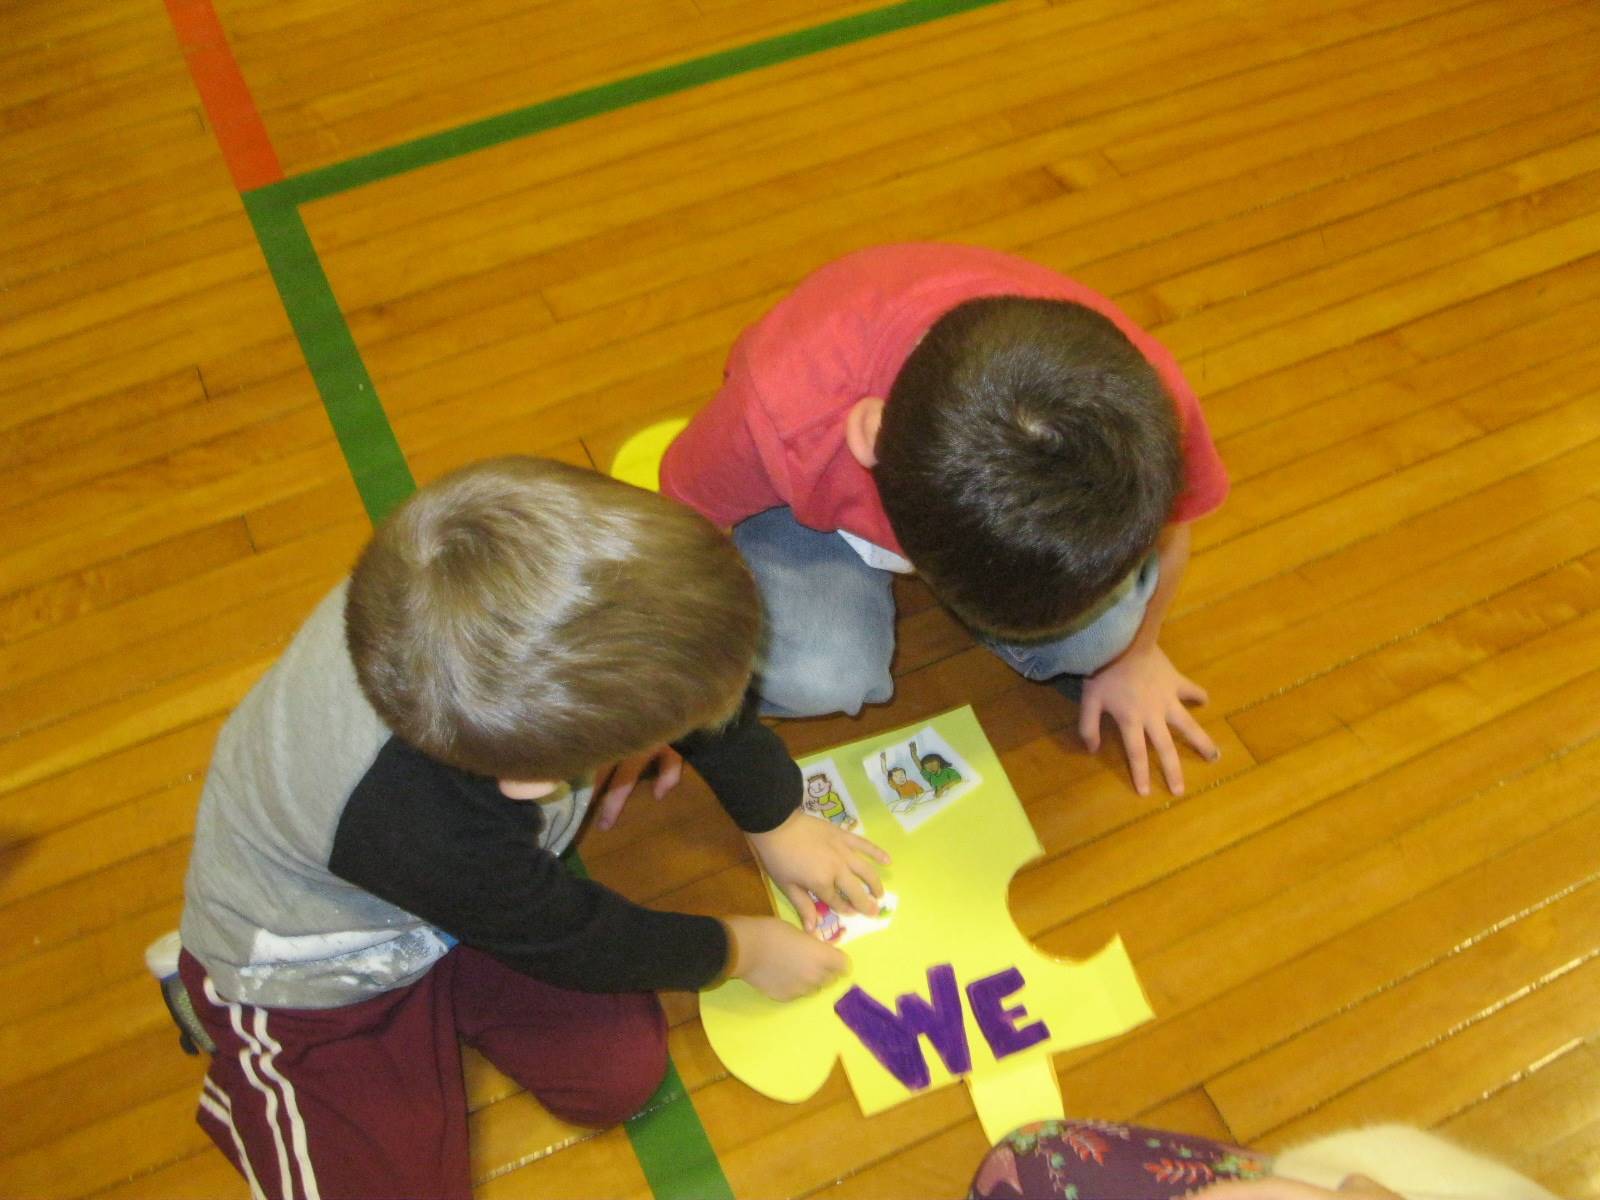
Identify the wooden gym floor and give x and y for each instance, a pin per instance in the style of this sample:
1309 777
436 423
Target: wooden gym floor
1369 231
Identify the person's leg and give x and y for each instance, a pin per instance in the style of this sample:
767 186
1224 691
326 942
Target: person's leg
365 1100
829 618
1061 1159
590 1058
1104 633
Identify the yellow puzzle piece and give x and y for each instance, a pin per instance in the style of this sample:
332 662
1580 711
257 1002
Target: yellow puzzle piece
638 460
949 987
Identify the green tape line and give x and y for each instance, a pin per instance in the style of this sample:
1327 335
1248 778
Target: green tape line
668 1139
672 1147
376 463
591 102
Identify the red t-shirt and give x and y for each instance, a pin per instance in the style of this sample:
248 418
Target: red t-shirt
774 434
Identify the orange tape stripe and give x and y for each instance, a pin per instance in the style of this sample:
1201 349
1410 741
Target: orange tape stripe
237 125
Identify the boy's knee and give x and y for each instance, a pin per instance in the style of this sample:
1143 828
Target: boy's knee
620 1083
822 692
622 1094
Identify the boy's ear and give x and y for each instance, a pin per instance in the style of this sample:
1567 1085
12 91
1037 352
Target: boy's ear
861 425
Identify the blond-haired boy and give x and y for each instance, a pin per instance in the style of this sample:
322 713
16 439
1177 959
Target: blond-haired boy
375 869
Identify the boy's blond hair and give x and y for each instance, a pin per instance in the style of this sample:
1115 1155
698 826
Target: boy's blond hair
530 620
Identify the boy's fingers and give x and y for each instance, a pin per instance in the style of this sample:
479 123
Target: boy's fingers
801 899
869 877
619 788
670 773
1191 692
1171 767
1194 734
1138 756
1089 724
854 892
871 849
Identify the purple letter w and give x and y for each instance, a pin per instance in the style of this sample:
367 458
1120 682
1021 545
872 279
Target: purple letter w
893 1038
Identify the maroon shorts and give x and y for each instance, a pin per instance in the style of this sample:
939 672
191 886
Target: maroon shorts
368 1100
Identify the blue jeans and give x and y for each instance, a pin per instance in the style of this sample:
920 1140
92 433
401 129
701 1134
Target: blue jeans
830 622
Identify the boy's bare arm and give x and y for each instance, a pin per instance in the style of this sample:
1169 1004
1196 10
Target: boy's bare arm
778 960
1143 692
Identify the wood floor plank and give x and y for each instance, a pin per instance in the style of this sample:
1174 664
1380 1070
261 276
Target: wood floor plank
134 1142
1385 266
344 124
1170 1056
53 918
268 619
128 722
202 1174
1485 122
77 850
36 1045
85 584
102 783
935 1166
601 1165
172 513
100 107
98 1086
618 189
146 448
1404 351
570 154
1405 831
320 556
1496 1046
1557 1090
232 454
1317 533
1353 688
66 974
45 436
1300 1075
1486 380
1132 855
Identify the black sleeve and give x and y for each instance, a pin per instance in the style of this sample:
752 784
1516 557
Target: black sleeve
448 848
748 768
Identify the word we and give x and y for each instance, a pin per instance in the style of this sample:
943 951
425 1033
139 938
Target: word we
894 1038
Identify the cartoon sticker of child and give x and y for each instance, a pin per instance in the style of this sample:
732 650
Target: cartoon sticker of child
936 769
822 801
830 927
908 789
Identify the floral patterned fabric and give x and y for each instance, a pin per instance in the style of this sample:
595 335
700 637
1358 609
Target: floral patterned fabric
1101 1160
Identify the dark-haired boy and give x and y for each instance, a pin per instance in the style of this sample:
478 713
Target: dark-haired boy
999 428
374 872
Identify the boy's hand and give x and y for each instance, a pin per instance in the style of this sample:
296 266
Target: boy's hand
614 784
806 856
778 960
1144 694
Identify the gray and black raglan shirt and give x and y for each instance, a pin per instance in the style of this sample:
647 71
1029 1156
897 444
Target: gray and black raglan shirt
333 861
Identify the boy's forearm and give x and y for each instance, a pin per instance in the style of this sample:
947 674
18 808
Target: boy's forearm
748 769
1172 551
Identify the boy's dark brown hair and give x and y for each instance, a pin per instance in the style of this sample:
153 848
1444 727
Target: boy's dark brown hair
1028 459
530 620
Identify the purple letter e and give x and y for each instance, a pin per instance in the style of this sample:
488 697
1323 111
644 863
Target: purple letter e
999 1023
